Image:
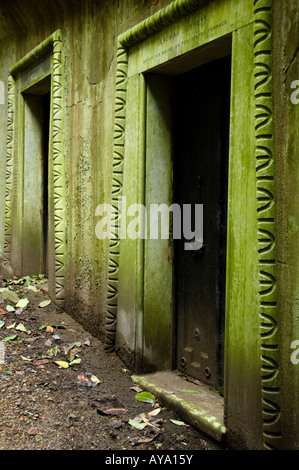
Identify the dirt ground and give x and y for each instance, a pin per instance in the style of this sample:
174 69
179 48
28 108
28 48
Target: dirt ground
86 405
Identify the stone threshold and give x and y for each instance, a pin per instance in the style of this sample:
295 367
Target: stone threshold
196 403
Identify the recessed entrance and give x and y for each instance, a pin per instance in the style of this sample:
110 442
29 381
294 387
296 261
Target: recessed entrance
201 102
151 56
35 188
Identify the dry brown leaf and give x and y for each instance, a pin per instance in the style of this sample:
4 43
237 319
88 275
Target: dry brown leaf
145 440
136 389
112 411
95 380
144 418
154 412
2 311
82 378
41 362
32 432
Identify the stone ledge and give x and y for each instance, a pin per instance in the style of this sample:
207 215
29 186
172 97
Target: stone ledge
203 409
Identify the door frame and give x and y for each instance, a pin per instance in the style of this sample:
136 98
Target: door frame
44 60
181 30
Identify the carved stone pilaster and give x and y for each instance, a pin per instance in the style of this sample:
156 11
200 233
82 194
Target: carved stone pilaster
264 155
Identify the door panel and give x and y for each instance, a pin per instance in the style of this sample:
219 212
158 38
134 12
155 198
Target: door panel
35 186
200 141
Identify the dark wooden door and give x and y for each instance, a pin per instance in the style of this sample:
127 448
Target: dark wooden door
201 100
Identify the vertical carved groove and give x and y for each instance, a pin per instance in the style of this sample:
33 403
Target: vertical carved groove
116 192
264 154
58 170
9 171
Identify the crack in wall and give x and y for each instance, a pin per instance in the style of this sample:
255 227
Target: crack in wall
292 61
89 106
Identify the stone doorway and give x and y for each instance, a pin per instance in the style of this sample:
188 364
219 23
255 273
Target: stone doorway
35 167
35 189
200 115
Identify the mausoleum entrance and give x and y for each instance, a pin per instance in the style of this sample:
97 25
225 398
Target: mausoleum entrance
189 130
201 100
36 101
186 171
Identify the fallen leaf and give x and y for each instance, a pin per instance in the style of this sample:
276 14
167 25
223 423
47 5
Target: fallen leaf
19 311
10 308
95 380
10 326
83 379
177 422
145 419
30 340
70 355
32 432
53 351
112 411
137 425
32 288
145 397
76 351
144 440
11 338
44 303
41 362
26 358
2 311
72 345
136 389
56 337
22 303
6 372
76 361
2 323
63 364
154 412
21 327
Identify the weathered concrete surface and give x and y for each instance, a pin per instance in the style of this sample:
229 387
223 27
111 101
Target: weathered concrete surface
197 403
286 132
90 30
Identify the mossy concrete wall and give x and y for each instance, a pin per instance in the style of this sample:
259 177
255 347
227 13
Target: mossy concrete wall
286 133
90 32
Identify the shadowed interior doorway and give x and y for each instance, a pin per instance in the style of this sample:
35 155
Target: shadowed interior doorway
200 109
35 178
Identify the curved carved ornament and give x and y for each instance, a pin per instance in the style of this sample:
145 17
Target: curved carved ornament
9 172
264 154
117 184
